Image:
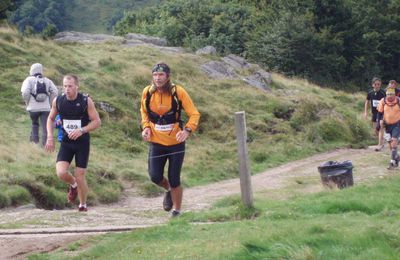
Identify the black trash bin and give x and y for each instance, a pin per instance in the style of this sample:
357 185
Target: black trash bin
338 174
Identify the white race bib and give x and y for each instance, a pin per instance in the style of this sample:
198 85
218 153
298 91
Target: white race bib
164 128
375 103
71 125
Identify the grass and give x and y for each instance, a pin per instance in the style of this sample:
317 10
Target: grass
355 223
295 120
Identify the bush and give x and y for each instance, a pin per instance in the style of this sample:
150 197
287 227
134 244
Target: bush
18 195
4 200
332 129
306 112
360 130
49 32
47 197
108 192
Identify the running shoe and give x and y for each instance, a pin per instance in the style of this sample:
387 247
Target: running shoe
167 202
175 213
379 148
82 209
72 194
393 165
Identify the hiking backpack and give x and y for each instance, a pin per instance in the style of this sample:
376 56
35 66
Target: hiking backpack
40 91
172 116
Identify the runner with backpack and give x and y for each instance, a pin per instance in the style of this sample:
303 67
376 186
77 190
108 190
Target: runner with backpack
389 111
38 93
161 106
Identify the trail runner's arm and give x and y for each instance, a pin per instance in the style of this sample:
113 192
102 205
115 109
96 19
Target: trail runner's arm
50 127
366 109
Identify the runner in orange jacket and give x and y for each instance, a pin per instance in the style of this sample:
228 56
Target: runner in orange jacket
161 106
389 110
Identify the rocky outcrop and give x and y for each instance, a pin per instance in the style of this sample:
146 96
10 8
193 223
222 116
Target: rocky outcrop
236 62
131 39
230 67
141 38
218 70
259 79
86 37
208 50
235 67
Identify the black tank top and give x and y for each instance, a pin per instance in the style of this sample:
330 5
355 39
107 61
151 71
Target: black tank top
73 115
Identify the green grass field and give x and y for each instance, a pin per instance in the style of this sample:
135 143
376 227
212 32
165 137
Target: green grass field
355 223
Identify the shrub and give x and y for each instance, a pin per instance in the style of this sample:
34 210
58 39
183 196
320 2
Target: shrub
306 112
4 200
332 129
18 195
49 32
359 129
108 192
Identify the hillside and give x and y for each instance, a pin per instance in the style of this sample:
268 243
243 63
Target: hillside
296 119
99 16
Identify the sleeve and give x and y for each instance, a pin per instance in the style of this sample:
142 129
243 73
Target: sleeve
53 91
368 96
190 109
26 90
143 110
381 105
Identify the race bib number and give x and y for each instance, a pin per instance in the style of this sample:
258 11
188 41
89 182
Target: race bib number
164 128
71 125
375 103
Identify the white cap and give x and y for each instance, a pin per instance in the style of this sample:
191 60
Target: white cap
35 69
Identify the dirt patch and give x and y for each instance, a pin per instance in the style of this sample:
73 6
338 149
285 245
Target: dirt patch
20 246
134 211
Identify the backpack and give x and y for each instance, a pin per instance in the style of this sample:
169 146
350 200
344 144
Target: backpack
40 91
172 116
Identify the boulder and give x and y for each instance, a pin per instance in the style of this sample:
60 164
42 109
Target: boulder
218 70
236 62
260 79
208 50
135 37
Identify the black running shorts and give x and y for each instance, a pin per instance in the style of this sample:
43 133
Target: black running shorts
78 149
158 156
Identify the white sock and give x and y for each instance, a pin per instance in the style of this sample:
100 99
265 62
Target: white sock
74 185
82 205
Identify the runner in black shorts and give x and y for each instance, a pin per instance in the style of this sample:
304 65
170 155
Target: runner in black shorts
389 111
373 98
161 106
79 116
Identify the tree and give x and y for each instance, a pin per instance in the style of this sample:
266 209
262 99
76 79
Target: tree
5 7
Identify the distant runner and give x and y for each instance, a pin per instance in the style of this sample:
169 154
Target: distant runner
389 110
161 107
373 98
79 117
38 93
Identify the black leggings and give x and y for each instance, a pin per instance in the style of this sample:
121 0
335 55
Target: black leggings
158 156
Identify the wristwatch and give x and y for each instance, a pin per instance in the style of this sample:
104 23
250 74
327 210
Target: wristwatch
187 129
82 130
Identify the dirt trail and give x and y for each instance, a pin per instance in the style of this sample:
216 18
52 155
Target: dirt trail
40 230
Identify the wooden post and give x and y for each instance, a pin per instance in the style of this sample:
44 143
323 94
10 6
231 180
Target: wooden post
244 167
